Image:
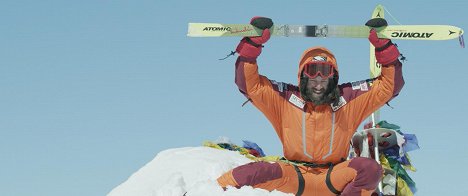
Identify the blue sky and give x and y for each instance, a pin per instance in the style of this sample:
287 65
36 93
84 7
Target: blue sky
90 91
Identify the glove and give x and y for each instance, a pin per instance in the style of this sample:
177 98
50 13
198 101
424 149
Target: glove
251 47
385 51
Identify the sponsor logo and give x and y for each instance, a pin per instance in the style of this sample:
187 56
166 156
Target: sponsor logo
337 106
320 58
360 85
412 34
297 101
378 13
451 32
356 85
364 86
245 29
217 29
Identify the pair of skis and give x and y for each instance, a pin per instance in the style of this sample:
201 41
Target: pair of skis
404 32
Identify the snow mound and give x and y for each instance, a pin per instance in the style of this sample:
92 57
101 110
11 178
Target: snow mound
193 170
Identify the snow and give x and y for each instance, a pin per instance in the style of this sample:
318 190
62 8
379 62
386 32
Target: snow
193 170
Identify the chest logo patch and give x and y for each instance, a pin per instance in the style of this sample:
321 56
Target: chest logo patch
297 101
337 106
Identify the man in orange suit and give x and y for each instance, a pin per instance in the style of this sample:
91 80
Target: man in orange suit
314 120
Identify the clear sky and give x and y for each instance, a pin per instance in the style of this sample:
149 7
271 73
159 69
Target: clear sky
90 91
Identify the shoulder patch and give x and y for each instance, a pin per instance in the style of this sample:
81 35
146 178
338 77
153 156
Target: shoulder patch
360 85
356 85
281 85
297 101
337 106
364 86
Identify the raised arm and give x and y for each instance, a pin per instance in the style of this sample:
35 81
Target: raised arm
262 92
367 96
247 77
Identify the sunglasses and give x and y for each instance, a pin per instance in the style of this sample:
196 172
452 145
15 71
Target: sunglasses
324 69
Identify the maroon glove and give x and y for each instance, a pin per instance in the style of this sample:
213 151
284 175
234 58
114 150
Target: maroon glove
251 47
385 51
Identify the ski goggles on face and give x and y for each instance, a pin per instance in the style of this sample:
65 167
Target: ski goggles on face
324 69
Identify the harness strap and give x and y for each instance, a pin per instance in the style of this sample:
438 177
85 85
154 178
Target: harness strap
328 181
301 181
314 165
300 177
303 163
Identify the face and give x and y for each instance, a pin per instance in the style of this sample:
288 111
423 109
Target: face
317 87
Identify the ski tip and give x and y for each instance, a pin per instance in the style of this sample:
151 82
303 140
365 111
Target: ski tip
378 12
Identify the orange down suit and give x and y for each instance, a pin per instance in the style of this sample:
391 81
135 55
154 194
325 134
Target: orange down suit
316 134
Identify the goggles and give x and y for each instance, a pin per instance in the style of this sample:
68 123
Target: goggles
324 69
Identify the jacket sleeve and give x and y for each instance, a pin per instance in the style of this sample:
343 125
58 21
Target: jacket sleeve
259 90
365 97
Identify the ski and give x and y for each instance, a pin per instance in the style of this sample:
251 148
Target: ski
405 32
375 68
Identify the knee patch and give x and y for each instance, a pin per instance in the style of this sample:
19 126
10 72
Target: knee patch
256 173
368 171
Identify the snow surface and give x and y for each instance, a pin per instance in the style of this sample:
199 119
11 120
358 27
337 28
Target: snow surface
193 170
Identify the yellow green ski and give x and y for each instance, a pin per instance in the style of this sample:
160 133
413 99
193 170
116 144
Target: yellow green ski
375 67
406 32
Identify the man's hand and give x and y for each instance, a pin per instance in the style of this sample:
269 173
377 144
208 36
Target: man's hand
385 51
251 47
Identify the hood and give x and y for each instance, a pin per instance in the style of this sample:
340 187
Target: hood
309 55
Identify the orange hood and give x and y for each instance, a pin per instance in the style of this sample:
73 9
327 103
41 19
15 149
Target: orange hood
309 55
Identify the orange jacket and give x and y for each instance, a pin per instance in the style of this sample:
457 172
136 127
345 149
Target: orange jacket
318 134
